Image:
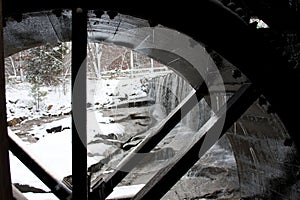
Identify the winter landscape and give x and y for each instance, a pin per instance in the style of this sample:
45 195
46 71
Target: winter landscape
128 94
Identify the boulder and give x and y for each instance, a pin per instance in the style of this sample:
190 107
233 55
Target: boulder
49 107
54 129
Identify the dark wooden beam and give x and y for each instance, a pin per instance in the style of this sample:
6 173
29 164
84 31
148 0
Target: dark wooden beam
203 141
5 181
104 187
79 123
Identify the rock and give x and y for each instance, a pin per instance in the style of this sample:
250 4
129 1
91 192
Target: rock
49 107
89 154
164 154
23 118
138 116
111 136
64 128
27 188
88 105
54 129
132 142
217 194
68 181
67 113
101 136
31 139
98 166
15 121
13 102
142 124
208 172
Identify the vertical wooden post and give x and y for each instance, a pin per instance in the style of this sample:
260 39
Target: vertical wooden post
79 123
5 181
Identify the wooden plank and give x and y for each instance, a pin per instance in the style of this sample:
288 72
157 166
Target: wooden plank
79 112
104 187
5 181
205 138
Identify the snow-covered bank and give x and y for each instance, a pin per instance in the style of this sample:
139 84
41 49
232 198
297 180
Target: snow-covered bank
57 100
21 103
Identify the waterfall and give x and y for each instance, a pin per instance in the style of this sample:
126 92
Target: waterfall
168 91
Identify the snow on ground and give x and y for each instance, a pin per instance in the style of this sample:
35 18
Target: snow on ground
20 101
109 92
55 152
125 191
39 131
40 196
19 94
98 124
20 174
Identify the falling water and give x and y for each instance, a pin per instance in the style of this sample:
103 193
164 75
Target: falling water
168 91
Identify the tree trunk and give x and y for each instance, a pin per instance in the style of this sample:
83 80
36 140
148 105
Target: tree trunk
13 65
99 55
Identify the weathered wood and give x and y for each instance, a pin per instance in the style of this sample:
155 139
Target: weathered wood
104 187
5 181
79 116
203 141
